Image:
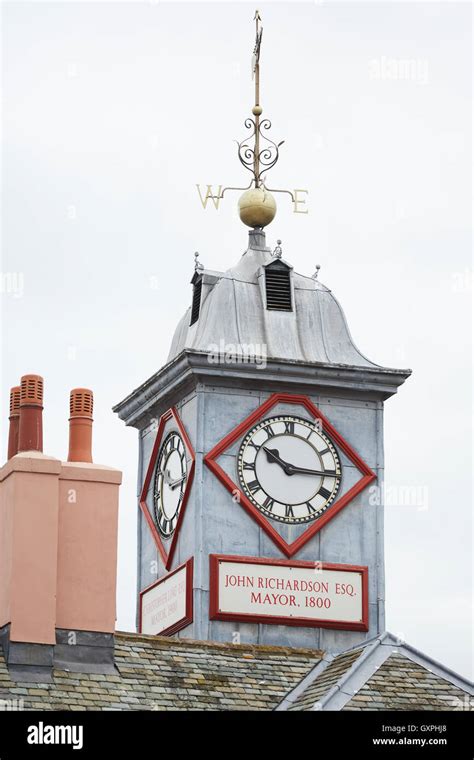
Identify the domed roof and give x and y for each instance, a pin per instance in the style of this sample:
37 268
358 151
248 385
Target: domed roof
233 316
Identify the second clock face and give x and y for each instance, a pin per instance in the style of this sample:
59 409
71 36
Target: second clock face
289 469
169 484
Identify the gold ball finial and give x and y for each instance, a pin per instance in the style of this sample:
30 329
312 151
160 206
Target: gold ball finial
257 207
257 110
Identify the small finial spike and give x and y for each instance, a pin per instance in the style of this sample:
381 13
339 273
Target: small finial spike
198 267
277 251
315 275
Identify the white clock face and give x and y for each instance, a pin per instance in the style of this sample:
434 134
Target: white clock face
289 469
169 483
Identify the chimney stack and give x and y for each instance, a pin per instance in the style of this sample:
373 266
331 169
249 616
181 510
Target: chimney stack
58 545
81 404
14 421
30 433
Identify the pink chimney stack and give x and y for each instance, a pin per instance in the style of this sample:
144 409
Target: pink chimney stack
58 542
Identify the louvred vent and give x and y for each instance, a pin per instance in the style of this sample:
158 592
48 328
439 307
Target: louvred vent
81 402
196 302
278 287
31 390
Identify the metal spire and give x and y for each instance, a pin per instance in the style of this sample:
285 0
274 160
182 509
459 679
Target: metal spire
258 159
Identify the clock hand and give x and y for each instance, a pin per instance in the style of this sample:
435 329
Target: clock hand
169 480
273 455
175 483
291 469
304 471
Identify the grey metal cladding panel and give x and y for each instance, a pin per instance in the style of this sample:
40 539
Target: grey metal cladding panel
341 539
281 330
179 338
289 636
146 442
227 528
150 564
218 630
337 641
310 326
218 318
357 425
223 412
336 334
186 543
187 410
296 410
249 316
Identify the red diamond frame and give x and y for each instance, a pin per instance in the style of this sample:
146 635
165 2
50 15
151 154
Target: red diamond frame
367 474
167 556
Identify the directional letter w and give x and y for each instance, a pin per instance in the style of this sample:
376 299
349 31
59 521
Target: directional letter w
216 199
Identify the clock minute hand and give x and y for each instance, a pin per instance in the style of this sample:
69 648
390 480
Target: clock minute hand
304 471
290 469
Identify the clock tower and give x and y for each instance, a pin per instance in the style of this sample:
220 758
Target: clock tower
261 453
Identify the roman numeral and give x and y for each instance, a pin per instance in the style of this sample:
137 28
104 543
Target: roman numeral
268 504
323 451
254 486
248 466
324 493
289 427
254 445
311 509
269 431
289 511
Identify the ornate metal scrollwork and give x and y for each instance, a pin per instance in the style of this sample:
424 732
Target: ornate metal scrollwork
258 160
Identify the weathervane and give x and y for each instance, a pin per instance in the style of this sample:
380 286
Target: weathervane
258 154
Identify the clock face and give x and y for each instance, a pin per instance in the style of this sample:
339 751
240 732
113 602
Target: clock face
169 483
289 469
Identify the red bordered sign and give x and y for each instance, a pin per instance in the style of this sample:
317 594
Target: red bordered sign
283 592
167 605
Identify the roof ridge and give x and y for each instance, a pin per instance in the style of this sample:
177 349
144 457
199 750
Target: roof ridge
366 650
264 648
440 670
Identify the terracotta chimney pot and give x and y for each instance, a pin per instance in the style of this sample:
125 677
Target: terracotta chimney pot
30 433
81 405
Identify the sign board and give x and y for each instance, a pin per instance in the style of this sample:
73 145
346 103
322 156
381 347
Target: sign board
283 592
167 605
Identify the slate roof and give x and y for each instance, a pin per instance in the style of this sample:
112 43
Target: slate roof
160 673
383 674
400 684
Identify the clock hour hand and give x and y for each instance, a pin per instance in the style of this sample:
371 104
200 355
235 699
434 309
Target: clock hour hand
273 455
169 480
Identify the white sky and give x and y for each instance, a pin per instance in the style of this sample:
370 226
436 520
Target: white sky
113 111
